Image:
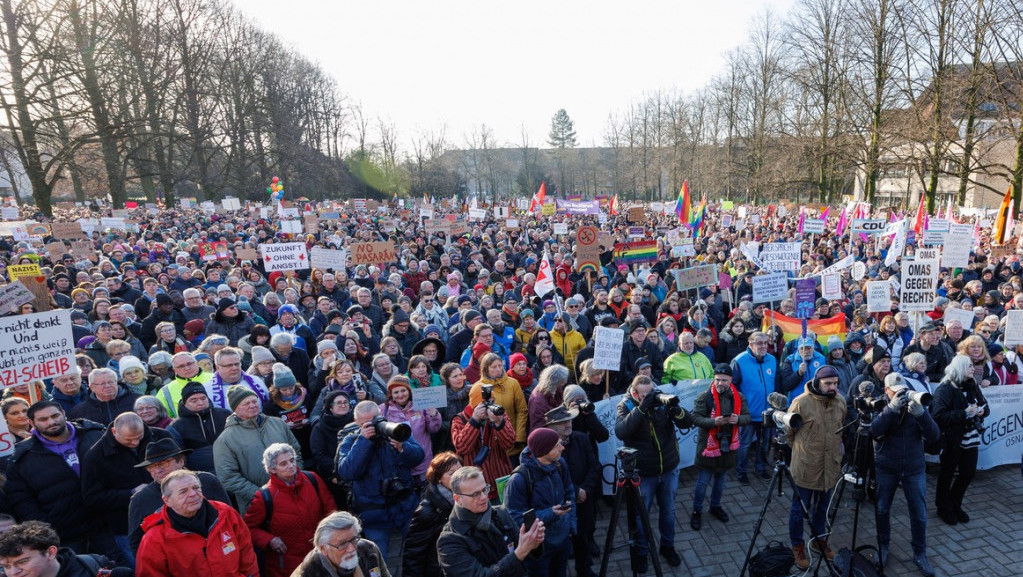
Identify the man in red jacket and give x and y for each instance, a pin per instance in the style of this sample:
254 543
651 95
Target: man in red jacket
192 536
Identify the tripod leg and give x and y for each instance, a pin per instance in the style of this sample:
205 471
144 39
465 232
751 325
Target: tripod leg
605 557
776 478
636 496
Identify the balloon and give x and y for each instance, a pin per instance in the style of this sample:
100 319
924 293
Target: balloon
274 180
269 190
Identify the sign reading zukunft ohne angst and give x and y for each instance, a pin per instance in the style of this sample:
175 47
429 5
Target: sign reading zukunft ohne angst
284 256
919 285
35 347
607 348
770 287
781 256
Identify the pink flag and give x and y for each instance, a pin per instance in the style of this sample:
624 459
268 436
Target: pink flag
841 222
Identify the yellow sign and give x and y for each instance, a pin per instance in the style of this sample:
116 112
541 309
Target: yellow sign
547 209
16 271
727 204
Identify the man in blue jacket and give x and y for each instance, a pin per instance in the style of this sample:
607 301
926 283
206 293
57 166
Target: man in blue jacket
754 372
543 483
899 433
380 471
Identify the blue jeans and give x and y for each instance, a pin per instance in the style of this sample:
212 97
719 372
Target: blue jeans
663 487
914 486
123 554
816 503
381 536
717 488
752 435
554 562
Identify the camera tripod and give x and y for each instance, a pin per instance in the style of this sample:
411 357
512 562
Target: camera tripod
627 484
781 469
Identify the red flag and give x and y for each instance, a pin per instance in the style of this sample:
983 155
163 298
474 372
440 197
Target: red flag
614 205
538 198
544 278
131 204
921 214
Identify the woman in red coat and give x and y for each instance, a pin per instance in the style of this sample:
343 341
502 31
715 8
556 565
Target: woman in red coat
482 438
299 500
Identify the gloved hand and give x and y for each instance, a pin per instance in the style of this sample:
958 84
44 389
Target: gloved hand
676 411
898 402
649 401
916 409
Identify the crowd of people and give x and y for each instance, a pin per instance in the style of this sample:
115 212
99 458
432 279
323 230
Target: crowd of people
220 420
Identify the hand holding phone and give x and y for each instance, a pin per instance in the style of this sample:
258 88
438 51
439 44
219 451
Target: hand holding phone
528 518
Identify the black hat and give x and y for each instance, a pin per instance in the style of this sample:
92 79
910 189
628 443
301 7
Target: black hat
470 314
635 326
161 450
821 302
642 363
723 369
560 414
333 314
163 299
192 388
609 321
355 309
927 327
224 303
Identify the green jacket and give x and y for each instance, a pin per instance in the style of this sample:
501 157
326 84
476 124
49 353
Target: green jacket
238 454
683 367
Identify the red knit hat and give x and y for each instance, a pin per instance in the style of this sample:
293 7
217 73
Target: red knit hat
542 441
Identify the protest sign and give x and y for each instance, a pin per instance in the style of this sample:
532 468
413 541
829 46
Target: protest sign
373 253
560 228
934 237
16 271
111 223
82 248
724 281
311 224
429 398
501 212
919 285
636 214
869 225
726 221
35 347
548 209
246 254
477 214
965 317
898 245
10 213
511 224
56 250
781 256
685 247
211 251
66 230
831 286
938 224
437 225
7 440
694 277
859 270
813 226
284 256
770 287
879 296
927 254
13 296
957 247
458 228
330 215
806 295
288 213
637 232
607 348
727 204
325 258
231 204
291 227
1013 328
587 249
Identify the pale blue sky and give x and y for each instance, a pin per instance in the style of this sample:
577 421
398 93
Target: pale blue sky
460 63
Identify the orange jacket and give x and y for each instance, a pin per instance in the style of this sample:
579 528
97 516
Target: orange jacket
226 552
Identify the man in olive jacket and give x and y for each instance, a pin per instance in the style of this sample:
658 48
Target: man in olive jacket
816 459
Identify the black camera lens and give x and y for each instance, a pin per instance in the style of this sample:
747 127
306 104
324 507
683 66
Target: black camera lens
392 431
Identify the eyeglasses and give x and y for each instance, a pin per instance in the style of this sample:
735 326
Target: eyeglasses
485 491
344 545
543 338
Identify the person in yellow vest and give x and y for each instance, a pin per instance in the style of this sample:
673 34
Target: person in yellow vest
186 370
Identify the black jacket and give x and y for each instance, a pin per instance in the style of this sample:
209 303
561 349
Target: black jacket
631 354
949 409
462 549
298 362
938 357
72 565
109 475
93 409
420 556
323 442
583 464
148 332
650 430
198 431
41 486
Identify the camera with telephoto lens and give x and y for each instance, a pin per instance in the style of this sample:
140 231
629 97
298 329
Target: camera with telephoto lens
488 400
667 400
866 405
585 407
391 431
777 418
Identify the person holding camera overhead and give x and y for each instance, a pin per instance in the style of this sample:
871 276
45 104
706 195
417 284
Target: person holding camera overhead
959 408
816 459
377 458
646 421
482 435
899 433
506 393
719 412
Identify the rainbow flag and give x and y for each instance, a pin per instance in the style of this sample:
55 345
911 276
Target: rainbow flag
683 206
698 218
638 252
792 328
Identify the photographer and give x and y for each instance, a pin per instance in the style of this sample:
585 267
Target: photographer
959 408
380 471
899 433
719 412
482 434
816 459
646 421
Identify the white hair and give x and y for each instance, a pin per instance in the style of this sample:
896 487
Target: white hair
960 369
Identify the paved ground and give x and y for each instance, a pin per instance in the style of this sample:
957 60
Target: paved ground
991 545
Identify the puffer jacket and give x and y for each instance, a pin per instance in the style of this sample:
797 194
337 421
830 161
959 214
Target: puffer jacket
297 509
465 549
198 431
104 412
232 328
238 454
508 394
367 464
899 439
846 374
817 445
682 366
540 486
756 380
652 432
420 552
226 552
792 383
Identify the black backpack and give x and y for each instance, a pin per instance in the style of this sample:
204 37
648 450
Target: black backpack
775 560
268 502
861 565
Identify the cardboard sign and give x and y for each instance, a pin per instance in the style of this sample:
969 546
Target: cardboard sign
249 254
458 228
560 228
879 296
1002 251
637 214
373 253
16 271
66 230
13 296
325 258
36 346
429 398
56 250
770 287
1013 328
284 256
919 285
82 248
831 286
587 249
437 225
695 277
311 224
607 348
781 256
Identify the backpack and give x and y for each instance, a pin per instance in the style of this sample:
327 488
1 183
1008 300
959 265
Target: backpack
94 566
268 502
529 481
775 560
861 566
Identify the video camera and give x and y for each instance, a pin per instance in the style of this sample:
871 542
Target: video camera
773 417
488 400
391 431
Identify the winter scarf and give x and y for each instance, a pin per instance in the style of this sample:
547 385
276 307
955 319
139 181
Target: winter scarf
713 448
525 380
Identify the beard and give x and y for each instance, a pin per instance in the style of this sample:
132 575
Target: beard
349 563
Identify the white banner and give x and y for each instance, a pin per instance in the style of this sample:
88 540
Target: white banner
831 286
1001 441
36 346
782 256
770 287
607 348
957 247
898 245
879 296
919 285
325 258
284 256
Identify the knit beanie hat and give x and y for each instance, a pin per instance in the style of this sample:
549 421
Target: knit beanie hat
195 326
398 381
192 388
324 345
261 355
835 343
225 302
542 441
517 357
160 358
283 377
129 362
237 393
